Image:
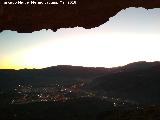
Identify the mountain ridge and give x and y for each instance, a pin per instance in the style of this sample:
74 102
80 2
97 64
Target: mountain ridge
140 85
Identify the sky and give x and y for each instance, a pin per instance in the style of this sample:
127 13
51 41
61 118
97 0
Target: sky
130 36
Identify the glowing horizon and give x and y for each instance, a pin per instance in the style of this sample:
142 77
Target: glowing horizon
118 42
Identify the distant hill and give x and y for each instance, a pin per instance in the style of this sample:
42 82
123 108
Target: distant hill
62 74
139 82
134 66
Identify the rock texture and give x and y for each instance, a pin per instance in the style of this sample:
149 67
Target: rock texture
85 13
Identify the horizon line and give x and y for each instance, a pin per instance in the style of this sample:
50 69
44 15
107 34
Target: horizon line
79 66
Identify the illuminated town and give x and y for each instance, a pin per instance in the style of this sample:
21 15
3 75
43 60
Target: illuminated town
60 93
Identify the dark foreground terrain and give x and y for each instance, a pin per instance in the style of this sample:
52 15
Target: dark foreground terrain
129 92
81 109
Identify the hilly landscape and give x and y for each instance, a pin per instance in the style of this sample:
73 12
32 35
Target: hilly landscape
137 82
81 93
62 74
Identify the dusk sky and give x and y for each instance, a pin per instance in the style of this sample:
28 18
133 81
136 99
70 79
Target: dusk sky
130 36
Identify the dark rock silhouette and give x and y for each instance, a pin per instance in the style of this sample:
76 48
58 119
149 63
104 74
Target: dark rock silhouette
85 13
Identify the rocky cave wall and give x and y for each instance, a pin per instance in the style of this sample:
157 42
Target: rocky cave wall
26 18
